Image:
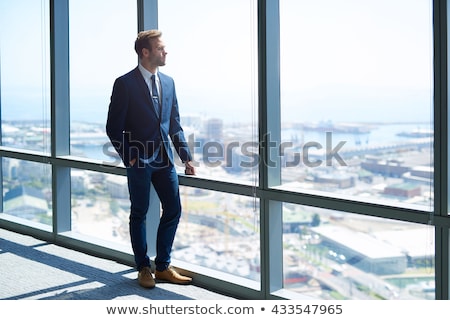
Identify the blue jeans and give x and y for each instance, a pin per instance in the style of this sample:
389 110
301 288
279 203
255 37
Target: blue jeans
165 180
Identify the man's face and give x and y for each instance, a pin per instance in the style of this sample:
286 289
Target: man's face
157 54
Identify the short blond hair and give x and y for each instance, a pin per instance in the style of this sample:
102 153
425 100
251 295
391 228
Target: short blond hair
144 38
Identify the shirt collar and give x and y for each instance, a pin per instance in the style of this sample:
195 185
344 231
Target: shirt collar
147 74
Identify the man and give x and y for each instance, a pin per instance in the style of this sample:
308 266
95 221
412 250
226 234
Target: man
143 113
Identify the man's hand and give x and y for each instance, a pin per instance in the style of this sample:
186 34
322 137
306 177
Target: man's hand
132 161
190 169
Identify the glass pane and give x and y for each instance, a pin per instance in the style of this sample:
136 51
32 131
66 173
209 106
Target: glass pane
210 234
336 255
27 191
25 75
101 49
357 102
212 58
219 231
100 206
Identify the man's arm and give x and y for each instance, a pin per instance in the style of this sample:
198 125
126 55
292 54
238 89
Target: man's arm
177 135
115 122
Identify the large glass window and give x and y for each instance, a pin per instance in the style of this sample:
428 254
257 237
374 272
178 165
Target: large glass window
25 75
101 49
27 191
219 231
336 255
356 97
212 56
100 206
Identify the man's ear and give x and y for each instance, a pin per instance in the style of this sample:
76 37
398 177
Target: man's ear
145 52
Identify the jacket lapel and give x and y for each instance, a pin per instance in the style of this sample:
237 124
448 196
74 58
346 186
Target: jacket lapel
164 97
146 92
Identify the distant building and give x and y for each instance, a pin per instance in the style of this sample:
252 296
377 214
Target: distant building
404 190
363 251
340 180
425 172
420 174
388 168
239 158
411 241
25 202
214 129
117 187
78 181
191 121
366 176
294 220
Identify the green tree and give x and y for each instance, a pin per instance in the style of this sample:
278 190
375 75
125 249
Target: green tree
315 220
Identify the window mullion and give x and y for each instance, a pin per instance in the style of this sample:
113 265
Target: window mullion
60 111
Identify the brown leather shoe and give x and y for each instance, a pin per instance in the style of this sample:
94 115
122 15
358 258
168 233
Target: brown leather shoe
170 275
145 278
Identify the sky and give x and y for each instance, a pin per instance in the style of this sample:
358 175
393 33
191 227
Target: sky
330 69
357 59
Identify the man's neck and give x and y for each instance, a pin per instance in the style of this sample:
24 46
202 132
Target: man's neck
150 68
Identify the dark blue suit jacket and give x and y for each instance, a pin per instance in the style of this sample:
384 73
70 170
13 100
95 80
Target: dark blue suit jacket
134 125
